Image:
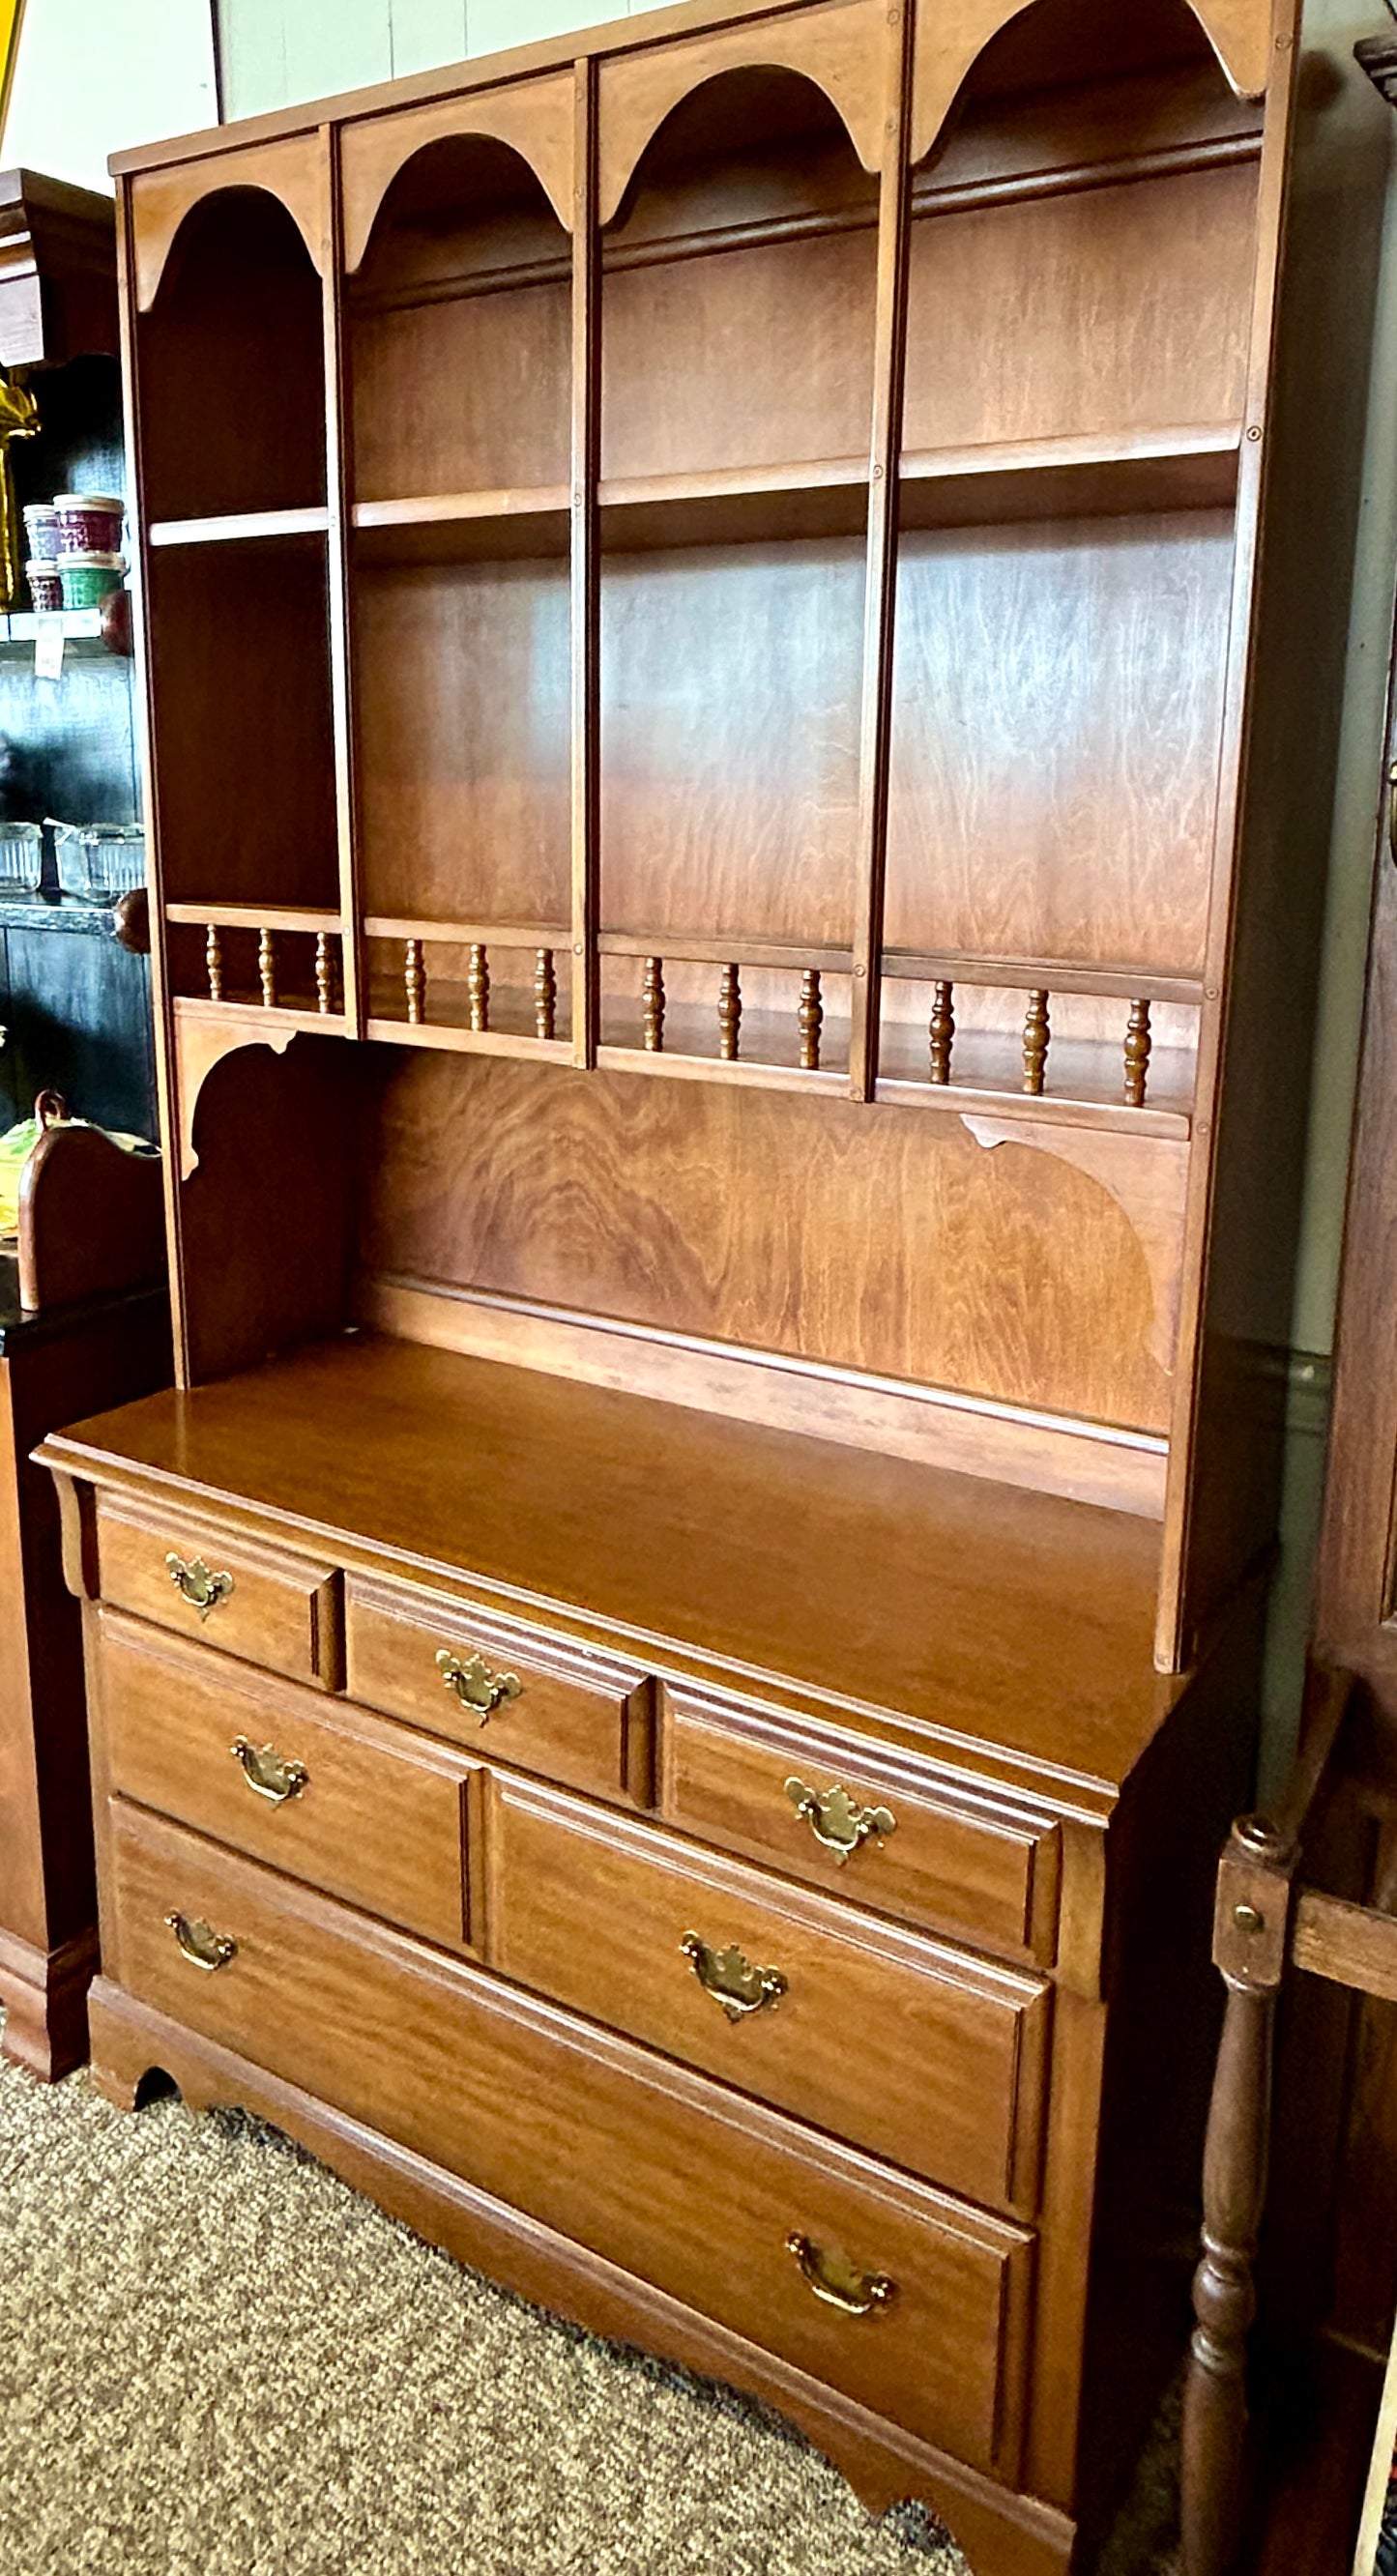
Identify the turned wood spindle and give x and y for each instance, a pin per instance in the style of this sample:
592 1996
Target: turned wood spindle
324 974
812 1020
266 968
730 1014
1138 1046
213 960
415 982
1249 1948
478 988
652 995
942 1032
545 994
1036 1035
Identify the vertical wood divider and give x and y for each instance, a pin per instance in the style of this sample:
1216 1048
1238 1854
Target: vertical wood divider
880 599
162 1012
586 571
1179 1613
338 488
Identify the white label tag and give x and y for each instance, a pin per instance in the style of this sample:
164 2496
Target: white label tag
48 649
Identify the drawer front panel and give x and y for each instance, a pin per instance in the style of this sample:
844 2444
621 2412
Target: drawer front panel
377 1819
504 1690
917 2052
734 1778
232 1594
648 2165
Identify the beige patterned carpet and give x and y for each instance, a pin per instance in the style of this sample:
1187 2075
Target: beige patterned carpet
215 2360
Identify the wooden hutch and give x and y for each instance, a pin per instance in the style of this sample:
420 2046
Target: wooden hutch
666 1687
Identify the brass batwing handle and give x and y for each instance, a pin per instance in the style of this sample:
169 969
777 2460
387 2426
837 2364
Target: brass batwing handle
839 2282
731 1980
835 1821
201 1945
194 1583
475 1685
268 1774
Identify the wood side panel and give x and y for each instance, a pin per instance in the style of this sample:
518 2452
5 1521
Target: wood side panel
456 2067
534 118
585 642
596 1913
847 1234
839 47
377 1821
290 171
23 1906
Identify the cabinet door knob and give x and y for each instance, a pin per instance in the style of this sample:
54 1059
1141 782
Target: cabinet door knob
475 1685
194 1583
201 1945
731 1980
267 1773
839 2282
835 1821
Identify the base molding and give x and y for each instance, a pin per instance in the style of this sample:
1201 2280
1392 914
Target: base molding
45 1997
1001 2533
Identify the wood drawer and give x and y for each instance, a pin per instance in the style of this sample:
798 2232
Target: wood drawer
380 1819
273 1609
958 1862
582 1718
669 2176
917 2052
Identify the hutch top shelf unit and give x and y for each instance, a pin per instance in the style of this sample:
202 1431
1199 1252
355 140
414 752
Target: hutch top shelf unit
728 550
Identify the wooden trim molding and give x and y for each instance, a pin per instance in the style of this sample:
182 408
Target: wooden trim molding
534 118
291 171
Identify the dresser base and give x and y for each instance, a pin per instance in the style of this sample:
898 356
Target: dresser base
44 1993
1002 2534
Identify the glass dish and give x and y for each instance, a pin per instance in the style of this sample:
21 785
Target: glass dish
99 861
21 857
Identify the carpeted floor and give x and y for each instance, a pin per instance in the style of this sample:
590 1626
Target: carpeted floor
215 2360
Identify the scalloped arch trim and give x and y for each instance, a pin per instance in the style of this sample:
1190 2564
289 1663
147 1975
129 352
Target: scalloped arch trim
536 119
162 200
844 52
953 35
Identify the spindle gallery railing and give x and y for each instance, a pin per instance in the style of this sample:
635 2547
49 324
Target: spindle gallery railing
297 952
787 1039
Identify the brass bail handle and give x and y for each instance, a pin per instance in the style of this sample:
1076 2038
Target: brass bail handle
835 1821
200 1944
267 1773
195 1584
731 1980
840 2283
473 1682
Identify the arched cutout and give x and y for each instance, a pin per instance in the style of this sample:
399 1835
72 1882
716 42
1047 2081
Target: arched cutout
845 52
232 363
293 172
534 118
952 38
460 327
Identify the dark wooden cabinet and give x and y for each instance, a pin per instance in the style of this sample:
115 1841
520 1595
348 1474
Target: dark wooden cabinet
718 1035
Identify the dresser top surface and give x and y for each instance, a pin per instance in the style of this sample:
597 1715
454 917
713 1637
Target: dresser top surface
1003 1617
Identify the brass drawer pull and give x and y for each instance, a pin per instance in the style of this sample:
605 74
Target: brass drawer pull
835 1821
475 1685
729 1978
201 1945
266 1772
194 1583
839 2282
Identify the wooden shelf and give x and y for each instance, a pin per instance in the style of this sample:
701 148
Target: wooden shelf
1059 478
247 1017
465 527
240 527
296 918
826 498
506 935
